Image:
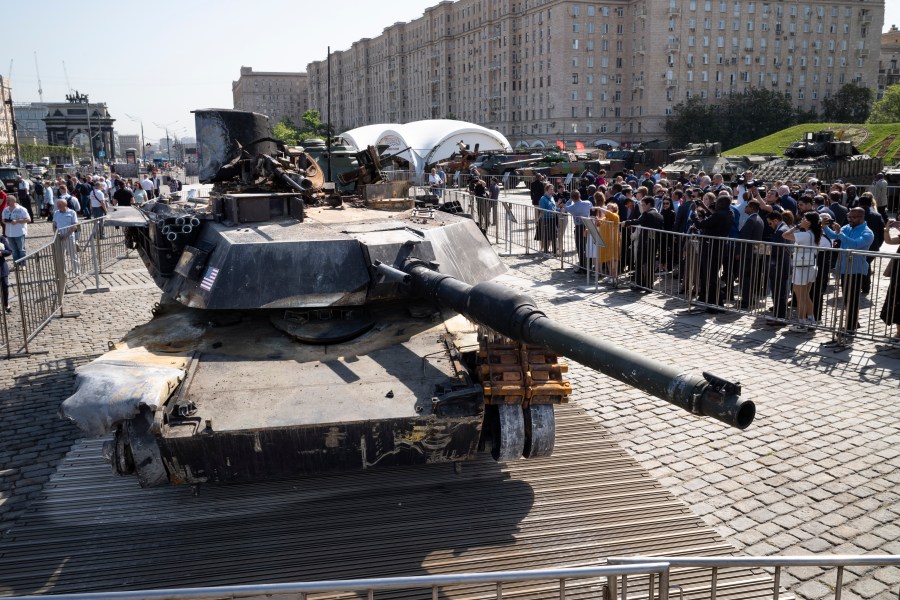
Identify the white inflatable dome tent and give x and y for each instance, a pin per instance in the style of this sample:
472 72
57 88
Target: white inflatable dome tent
426 142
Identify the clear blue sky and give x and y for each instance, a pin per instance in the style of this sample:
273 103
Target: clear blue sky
159 60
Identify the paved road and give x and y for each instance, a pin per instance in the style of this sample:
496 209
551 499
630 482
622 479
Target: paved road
817 472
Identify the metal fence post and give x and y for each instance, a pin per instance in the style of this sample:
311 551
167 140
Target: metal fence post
561 238
6 334
22 316
95 252
59 263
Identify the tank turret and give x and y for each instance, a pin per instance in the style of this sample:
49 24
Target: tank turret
296 336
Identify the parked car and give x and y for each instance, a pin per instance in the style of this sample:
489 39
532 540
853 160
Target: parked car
9 175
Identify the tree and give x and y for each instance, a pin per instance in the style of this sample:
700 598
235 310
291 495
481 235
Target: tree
887 110
312 123
851 104
738 119
285 131
755 113
692 120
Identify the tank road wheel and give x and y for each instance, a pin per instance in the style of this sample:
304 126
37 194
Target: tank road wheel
508 433
540 430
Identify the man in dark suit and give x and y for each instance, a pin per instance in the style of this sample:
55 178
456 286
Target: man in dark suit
833 202
650 221
752 267
536 189
714 229
779 270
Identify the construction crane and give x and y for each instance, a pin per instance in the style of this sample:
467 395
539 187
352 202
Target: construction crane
66 73
38 71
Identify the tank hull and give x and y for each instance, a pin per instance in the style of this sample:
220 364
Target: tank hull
255 405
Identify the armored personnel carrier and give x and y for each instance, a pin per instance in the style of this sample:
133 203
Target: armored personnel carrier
296 335
823 157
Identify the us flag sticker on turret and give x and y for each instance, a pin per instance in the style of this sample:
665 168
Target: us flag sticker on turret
209 279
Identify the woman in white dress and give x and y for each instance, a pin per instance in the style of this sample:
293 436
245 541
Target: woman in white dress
806 235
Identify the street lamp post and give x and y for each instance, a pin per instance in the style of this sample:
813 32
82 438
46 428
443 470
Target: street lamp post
143 146
166 128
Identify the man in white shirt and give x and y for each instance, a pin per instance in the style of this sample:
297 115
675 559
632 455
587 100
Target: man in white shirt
16 218
23 187
65 224
147 185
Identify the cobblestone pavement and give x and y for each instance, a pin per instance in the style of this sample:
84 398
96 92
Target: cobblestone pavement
817 472
34 438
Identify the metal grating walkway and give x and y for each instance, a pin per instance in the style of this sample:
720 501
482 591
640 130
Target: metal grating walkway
98 532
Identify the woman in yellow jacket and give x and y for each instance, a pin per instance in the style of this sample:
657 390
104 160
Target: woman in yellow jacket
608 253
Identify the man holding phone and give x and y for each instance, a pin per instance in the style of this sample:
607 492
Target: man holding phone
16 219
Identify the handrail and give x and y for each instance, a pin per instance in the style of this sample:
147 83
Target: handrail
380 583
714 563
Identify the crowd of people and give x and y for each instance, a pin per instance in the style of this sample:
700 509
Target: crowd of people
60 202
734 242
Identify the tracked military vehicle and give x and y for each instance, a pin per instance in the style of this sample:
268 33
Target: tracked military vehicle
819 155
708 158
297 335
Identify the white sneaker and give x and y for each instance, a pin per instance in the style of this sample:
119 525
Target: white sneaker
797 328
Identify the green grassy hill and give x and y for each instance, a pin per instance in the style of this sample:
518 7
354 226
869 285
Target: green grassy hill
878 140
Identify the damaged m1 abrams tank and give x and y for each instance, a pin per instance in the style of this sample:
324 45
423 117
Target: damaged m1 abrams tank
296 337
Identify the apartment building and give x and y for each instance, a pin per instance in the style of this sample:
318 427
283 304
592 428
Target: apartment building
6 121
546 70
889 64
276 94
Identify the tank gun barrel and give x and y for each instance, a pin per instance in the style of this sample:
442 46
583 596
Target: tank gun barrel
517 317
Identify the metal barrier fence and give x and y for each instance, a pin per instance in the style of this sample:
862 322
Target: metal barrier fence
846 292
658 571
715 564
96 246
34 297
39 280
549 582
